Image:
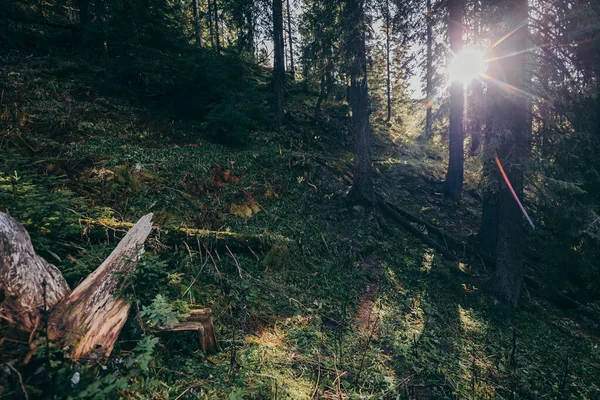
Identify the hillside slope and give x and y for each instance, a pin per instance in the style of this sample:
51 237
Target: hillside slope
334 301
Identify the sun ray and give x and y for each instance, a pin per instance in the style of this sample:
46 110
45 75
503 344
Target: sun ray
514 53
503 38
510 89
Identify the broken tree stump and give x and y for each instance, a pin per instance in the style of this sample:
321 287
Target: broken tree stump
197 320
94 313
23 275
91 317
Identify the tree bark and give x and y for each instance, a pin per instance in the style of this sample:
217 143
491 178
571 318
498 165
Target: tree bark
488 229
387 60
291 41
512 130
197 26
22 278
429 73
362 184
455 175
216 22
279 62
476 99
475 121
92 316
211 27
198 321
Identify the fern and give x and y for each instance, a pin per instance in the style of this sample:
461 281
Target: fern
162 314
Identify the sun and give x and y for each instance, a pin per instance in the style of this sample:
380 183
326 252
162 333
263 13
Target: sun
466 66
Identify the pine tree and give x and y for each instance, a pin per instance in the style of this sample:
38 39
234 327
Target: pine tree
197 24
362 184
290 40
454 177
279 62
508 133
429 71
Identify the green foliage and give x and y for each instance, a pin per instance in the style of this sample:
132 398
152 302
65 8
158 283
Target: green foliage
41 201
149 278
280 257
78 267
161 314
131 378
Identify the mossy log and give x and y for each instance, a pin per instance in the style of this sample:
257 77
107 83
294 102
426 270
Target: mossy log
194 237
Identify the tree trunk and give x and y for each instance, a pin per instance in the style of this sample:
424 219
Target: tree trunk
510 124
321 96
329 78
387 60
84 12
279 62
475 121
454 177
197 26
291 42
211 24
545 76
216 11
362 184
429 73
250 31
488 229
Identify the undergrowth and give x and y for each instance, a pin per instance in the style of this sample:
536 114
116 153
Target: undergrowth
93 146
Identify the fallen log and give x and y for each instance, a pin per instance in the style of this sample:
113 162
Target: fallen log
220 240
449 241
415 231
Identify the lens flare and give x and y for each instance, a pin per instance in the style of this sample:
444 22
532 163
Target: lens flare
466 66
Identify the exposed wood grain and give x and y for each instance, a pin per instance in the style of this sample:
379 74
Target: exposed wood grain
200 321
92 316
22 275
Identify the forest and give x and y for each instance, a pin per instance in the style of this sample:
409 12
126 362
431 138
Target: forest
300 199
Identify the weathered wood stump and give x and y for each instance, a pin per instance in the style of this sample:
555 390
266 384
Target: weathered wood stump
88 319
23 275
200 321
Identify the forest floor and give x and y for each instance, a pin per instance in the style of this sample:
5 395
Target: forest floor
335 302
